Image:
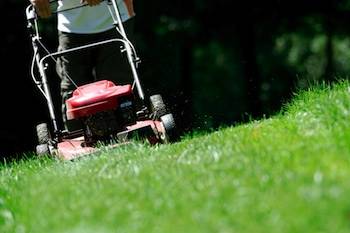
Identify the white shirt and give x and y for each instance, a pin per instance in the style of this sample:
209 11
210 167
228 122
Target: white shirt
89 19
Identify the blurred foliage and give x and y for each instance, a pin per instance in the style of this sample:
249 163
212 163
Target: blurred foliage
216 79
293 48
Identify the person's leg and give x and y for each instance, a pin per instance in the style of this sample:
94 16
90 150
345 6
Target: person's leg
76 66
111 64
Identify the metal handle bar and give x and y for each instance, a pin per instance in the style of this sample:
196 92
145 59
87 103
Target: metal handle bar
61 53
41 65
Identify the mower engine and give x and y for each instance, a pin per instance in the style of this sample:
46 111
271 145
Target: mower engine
103 107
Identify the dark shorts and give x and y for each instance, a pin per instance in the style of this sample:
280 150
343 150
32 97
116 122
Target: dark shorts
88 65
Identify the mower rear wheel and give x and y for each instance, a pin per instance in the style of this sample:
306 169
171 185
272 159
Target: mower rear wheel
43 133
42 150
170 134
158 106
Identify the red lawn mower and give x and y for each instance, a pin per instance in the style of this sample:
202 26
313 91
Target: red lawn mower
109 113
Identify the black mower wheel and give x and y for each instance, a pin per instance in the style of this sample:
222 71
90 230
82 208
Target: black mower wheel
158 106
43 133
171 133
42 149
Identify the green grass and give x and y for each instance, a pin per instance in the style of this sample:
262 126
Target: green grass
289 173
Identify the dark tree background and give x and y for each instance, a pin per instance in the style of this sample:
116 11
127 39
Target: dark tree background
215 62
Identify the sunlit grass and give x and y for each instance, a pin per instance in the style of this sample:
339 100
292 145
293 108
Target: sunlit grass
289 173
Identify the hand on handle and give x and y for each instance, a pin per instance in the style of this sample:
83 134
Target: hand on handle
42 7
91 2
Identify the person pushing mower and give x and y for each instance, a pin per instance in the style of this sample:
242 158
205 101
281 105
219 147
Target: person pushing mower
100 86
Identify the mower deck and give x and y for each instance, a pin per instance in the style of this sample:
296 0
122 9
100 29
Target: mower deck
72 148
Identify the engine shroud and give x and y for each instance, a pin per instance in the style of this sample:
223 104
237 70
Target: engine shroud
96 97
103 107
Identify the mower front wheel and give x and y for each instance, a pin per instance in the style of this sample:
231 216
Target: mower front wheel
42 150
170 130
43 133
158 106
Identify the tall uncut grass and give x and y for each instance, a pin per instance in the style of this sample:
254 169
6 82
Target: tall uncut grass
288 173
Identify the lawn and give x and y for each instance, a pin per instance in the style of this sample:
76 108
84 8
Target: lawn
288 173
